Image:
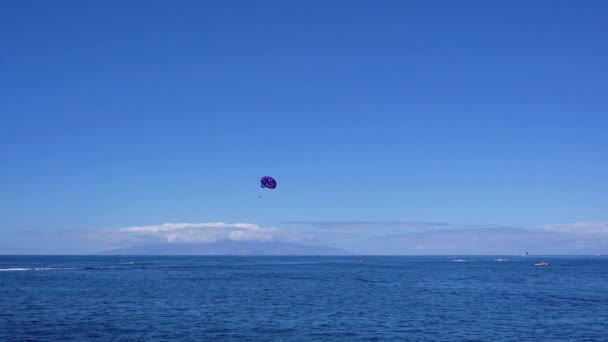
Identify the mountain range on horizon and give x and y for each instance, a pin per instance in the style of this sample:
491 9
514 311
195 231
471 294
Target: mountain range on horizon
226 247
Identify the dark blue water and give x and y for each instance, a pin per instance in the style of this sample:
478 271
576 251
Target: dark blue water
302 299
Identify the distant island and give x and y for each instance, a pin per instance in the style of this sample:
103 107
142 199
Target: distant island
226 247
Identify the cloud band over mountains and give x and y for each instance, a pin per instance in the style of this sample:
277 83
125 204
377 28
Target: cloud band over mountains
207 232
365 237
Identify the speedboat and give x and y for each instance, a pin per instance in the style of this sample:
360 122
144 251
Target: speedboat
542 263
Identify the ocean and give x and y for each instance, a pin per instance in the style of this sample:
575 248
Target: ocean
221 298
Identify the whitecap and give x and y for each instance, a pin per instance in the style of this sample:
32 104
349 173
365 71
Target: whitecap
14 269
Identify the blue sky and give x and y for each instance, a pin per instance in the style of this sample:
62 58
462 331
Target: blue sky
381 121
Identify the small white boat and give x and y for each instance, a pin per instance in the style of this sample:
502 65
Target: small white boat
541 263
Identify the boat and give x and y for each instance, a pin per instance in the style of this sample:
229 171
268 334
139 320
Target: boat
541 263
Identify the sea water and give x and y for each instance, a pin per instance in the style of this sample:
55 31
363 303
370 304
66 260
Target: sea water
213 298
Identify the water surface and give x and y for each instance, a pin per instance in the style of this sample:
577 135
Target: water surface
455 298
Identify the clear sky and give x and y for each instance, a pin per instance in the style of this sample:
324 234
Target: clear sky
391 126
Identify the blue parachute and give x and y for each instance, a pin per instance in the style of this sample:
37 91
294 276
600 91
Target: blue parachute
268 182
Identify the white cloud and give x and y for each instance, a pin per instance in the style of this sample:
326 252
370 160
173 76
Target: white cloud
555 239
363 225
578 228
207 232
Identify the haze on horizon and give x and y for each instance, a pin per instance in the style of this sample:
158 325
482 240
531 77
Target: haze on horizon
401 127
